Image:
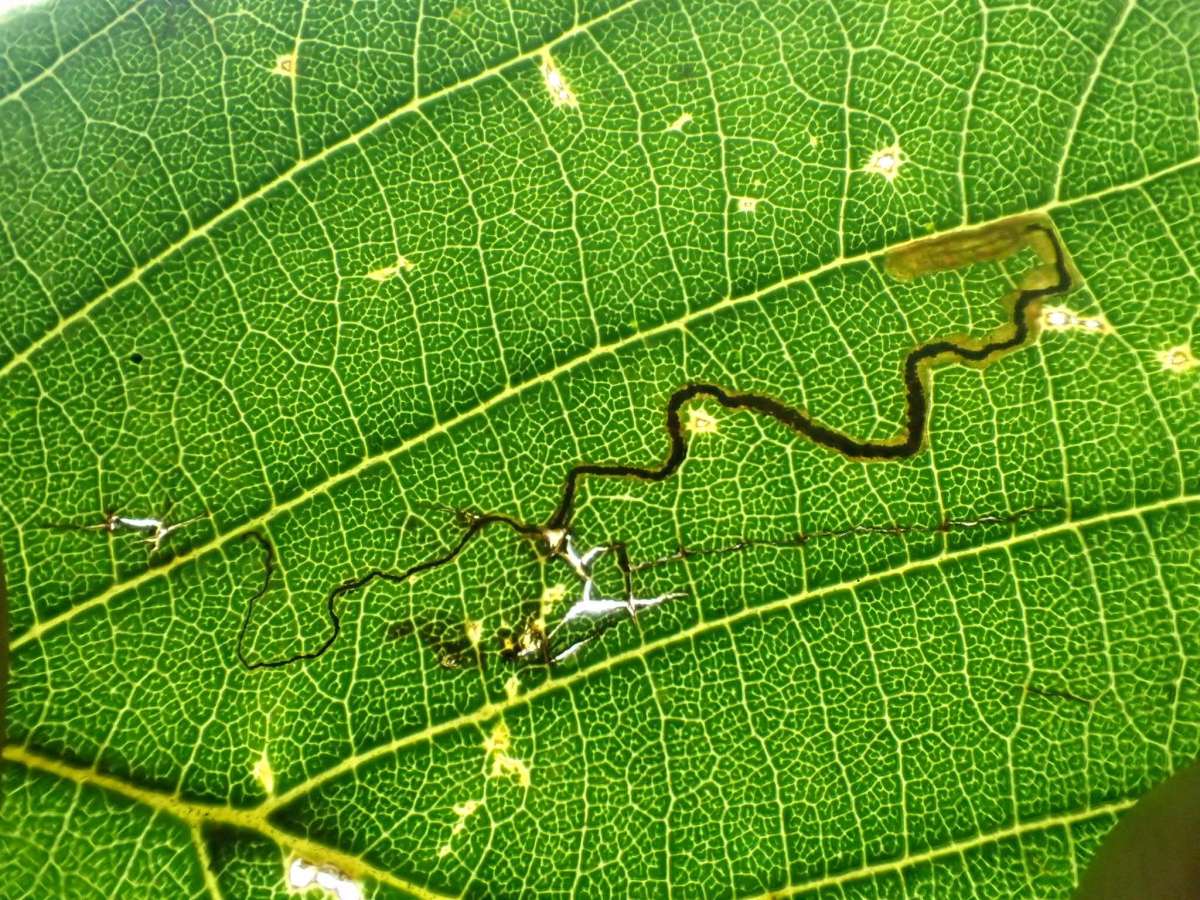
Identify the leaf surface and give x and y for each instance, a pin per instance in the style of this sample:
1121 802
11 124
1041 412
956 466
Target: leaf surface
317 283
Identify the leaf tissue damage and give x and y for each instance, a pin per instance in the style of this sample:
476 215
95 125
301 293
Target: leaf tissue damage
584 483
541 642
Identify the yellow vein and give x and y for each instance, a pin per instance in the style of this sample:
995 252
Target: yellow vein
957 848
491 710
418 101
206 869
678 324
194 815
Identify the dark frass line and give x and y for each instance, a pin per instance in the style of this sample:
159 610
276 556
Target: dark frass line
556 531
476 526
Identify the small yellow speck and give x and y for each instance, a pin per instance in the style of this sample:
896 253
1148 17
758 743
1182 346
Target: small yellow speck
285 65
747 204
443 851
701 421
264 774
505 765
497 741
474 630
383 274
679 124
496 747
512 687
814 140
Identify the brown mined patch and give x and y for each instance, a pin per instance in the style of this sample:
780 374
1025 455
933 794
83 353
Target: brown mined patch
997 241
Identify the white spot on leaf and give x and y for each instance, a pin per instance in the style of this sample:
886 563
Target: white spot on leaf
747 204
556 84
1057 318
303 874
886 162
554 538
1060 318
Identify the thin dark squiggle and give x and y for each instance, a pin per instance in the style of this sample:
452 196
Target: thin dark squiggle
478 525
908 444
807 537
916 398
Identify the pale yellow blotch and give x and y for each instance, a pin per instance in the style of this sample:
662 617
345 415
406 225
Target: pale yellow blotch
679 124
264 774
474 630
1178 359
462 811
701 421
285 65
747 204
400 265
498 740
1095 324
505 765
814 140
556 84
512 687
551 597
530 639
496 745
886 162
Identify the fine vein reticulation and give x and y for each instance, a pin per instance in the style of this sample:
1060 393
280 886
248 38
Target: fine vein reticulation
923 256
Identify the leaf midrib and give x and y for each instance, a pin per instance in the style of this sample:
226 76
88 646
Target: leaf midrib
489 711
353 865
440 427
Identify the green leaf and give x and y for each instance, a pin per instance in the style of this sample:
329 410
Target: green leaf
300 291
